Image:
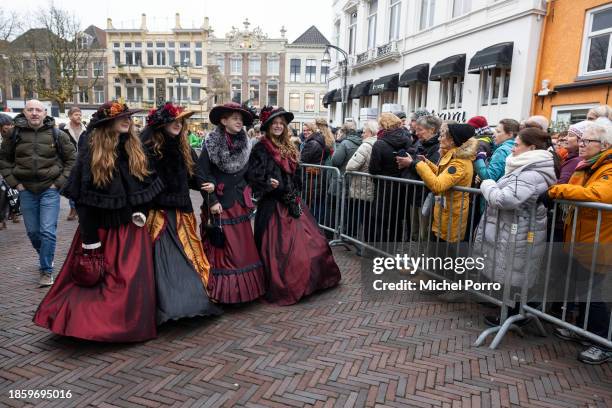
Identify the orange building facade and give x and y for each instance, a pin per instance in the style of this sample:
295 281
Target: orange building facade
574 71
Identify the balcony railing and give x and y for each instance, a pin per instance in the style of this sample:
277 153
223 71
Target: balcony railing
387 49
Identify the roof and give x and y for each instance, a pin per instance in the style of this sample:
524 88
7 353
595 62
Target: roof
99 36
41 37
312 36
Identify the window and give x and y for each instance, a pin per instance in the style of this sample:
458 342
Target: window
198 44
309 102
352 32
324 72
184 58
236 91
150 93
570 114
16 90
98 94
372 24
254 92
494 86
418 97
294 102
138 45
451 92
150 58
273 93
598 42
117 58
116 45
427 13
149 44
236 65
273 66
198 58
160 58
254 66
311 71
133 57
295 67
322 107
461 7
195 93
171 57
394 19
127 45
82 95
82 70
221 63
98 69
117 92
184 45
160 44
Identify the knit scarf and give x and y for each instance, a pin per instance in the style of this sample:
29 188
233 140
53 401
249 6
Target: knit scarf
586 164
529 157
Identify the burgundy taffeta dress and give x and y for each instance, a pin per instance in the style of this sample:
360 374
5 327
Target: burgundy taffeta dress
121 307
296 255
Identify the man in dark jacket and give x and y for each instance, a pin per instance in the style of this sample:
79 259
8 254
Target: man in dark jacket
31 162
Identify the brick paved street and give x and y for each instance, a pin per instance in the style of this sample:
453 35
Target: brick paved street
333 349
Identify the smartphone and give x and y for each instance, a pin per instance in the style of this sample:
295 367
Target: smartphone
401 153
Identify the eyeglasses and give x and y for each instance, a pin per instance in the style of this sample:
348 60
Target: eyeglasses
587 141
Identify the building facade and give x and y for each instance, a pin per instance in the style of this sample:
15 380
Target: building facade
252 64
456 58
306 77
575 60
146 68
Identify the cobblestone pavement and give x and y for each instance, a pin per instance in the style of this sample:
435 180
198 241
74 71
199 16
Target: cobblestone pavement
336 348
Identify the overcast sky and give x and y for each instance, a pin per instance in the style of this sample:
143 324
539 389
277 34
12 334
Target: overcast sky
296 15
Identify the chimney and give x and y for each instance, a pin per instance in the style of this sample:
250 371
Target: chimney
109 24
206 24
143 22
177 21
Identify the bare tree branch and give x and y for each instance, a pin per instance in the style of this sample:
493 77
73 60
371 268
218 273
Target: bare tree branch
9 24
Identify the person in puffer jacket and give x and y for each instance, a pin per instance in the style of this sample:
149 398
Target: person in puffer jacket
511 235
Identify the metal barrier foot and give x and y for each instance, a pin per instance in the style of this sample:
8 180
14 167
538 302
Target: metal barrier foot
507 326
538 323
483 336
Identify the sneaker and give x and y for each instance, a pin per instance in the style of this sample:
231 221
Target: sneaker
595 355
569 335
493 321
46 280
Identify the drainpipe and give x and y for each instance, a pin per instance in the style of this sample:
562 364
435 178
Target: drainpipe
536 87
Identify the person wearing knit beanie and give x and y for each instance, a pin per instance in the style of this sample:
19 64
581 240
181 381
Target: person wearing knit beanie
460 133
577 129
478 122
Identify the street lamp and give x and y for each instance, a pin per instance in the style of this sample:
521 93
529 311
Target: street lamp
327 59
177 69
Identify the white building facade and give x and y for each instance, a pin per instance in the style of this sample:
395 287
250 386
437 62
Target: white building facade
456 58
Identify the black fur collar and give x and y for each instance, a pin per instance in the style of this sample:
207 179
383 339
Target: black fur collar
229 161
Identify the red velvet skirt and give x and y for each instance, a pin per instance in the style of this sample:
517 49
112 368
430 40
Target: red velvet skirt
297 258
121 308
236 271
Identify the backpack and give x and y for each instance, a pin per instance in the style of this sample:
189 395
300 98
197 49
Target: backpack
56 141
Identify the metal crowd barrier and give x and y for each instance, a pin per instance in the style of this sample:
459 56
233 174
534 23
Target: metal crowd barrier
384 215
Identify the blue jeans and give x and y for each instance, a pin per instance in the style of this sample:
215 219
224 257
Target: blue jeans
40 213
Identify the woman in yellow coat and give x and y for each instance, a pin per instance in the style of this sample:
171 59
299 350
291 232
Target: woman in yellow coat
458 149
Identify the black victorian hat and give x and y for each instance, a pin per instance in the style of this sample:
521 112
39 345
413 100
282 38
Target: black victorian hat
218 111
268 113
167 113
110 111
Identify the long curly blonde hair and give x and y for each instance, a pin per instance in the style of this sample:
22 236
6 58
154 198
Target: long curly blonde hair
103 144
157 140
283 142
328 136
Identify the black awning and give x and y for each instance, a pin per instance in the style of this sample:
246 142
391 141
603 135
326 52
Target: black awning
495 56
418 73
451 66
385 84
328 97
361 89
337 96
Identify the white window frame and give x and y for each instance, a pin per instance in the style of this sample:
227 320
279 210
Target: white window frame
252 84
292 108
451 92
351 33
98 94
80 93
272 83
586 43
311 77
429 7
556 110
233 60
295 77
314 102
461 7
273 62
253 60
94 69
417 98
232 83
395 6
323 78
372 17
487 80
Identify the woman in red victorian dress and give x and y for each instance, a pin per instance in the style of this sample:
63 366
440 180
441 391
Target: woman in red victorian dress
105 290
236 274
297 258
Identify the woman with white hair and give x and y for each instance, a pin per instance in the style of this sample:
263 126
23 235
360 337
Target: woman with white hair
601 111
361 189
591 182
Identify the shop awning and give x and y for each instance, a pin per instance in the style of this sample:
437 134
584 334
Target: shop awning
495 56
418 73
328 97
385 84
337 96
361 89
451 66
